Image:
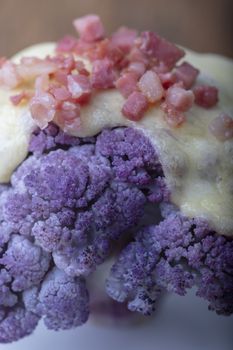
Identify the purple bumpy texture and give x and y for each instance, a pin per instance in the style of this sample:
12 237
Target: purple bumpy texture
71 205
67 205
175 255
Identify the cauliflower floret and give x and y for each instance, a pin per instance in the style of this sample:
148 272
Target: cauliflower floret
62 300
25 262
67 204
71 205
175 255
16 323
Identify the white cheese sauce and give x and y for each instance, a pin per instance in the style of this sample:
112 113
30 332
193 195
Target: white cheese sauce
198 168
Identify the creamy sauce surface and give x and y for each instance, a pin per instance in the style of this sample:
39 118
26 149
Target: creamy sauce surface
198 168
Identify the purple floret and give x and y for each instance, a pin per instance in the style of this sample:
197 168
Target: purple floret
25 262
73 204
67 205
175 255
16 324
62 301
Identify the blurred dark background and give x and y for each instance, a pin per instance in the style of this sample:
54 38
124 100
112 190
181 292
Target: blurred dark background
204 25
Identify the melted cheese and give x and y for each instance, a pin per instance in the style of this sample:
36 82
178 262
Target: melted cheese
198 168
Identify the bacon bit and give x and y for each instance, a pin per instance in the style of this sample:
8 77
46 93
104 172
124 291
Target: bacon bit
135 106
160 68
137 68
126 84
173 117
186 74
206 96
66 63
68 116
83 48
69 63
80 66
61 77
31 67
17 99
80 87
179 98
43 109
141 68
66 44
60 93
137 55
90 28
103 74
222 127
104 49
167 79
153 46
151 87
9 76
124 38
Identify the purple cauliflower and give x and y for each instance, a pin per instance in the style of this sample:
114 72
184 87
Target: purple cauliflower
70 205
175 255
76 204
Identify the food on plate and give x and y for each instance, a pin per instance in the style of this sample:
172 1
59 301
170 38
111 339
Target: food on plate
115 151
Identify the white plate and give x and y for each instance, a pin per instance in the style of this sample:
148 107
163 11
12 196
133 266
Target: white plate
181 323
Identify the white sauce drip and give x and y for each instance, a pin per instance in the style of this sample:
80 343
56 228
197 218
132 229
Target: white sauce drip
198 167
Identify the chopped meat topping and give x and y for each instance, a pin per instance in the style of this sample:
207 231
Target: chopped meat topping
143 68
90 28
135 105
179 98
186 74
151 87
206 96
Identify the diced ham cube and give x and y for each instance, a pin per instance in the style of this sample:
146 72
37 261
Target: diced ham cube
173 117
61 93
31 67
205 95
126 84
103 74
186 74
167 79
69 63
61 76
124 38
137 68
9 76
43 108
62 62
79 65
137 55
135 106
181 99
152 45
104 49
79 86
222 127
151 87
160 68
90 28
66 44
68 116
